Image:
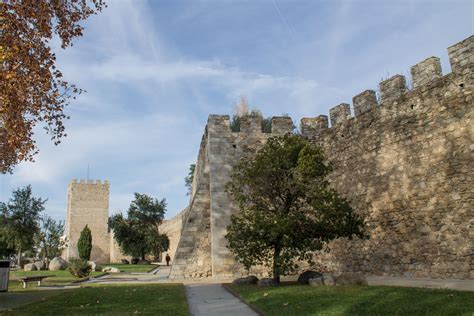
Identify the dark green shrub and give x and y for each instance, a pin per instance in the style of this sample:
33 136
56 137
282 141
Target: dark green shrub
84 244
79 268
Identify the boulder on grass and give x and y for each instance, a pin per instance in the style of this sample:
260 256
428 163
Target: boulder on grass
328 279
94 266
251 279
125 261
305 276
143 262
135 260
30 267
57 264
316 281
267 282
351 278
40 265
111 270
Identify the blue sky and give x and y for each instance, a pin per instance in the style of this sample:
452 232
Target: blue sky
154 71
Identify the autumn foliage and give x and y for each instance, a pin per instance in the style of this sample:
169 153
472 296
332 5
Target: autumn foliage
32 89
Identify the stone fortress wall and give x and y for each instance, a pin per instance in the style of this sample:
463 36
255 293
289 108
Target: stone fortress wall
405 163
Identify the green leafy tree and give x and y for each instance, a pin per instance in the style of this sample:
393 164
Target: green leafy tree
188 180
287 209
84 244
49 241
20 218
138 234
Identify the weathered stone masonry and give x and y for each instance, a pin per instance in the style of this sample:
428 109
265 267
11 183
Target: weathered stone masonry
406 164
88 204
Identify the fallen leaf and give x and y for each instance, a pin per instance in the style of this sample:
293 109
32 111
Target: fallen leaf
265 294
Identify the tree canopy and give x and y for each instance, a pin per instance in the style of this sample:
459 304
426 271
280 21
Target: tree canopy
20 218
287 208
188 180
49 240
138 234
32 88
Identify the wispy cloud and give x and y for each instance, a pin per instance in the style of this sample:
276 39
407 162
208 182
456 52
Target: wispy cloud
153 71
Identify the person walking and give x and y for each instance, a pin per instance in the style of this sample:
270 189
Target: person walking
168 259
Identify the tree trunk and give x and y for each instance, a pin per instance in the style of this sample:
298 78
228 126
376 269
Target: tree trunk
19 258
276 264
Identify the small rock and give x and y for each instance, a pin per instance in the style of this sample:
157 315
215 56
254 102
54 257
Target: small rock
328 279
111 269
40 265
251 279
315 281
30 267
266 282
351 278
92 264
143 262
305 276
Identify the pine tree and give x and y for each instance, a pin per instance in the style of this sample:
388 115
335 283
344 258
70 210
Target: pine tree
84 244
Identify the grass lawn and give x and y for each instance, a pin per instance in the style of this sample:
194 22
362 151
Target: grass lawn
356 300
131 267
150 299
61 277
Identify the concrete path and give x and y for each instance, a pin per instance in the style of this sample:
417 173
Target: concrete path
213 299
460 285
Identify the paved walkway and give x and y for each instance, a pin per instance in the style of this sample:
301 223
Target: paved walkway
213 299
460 285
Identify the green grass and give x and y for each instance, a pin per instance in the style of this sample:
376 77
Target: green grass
131 267
150 299
356 300
61 277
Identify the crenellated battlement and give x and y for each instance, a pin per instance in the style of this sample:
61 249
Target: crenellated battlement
425 75
89 182
249 125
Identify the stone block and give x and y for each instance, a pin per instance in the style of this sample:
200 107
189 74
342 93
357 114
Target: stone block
339 113
251 124
393 87
426 71
364 102
461 55
311 125
281 125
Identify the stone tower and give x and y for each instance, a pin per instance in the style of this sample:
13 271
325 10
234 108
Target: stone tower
88 204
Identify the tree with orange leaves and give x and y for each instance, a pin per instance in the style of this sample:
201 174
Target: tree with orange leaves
32 89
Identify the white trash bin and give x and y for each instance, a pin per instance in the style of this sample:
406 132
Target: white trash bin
4 275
